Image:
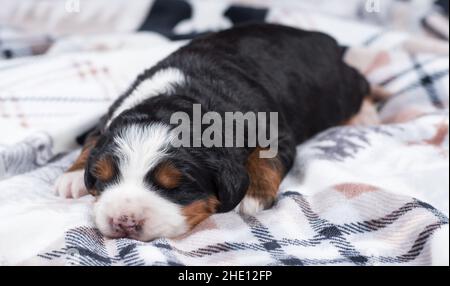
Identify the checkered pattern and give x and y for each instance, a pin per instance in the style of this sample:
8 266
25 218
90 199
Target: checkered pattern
86 246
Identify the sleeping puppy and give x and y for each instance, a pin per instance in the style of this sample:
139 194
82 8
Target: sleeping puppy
146 188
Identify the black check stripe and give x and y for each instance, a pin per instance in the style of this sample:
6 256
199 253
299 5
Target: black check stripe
268 241
90 245
87 246
345 248
328 231
377 224
373 39
409 70
167 250
415 249
127 253
53 254
419 244
426 80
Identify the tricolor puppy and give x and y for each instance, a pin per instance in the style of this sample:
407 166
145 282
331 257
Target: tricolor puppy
146 188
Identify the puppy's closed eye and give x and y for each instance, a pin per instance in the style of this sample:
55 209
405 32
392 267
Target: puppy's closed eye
167 176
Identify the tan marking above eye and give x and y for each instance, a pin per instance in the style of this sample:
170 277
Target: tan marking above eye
167 176
103 169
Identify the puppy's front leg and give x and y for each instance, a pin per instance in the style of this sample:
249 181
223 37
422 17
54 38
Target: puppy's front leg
266 176
71 183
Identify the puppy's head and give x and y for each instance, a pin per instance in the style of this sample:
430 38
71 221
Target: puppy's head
147 189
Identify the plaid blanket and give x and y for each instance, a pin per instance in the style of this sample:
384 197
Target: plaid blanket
356 195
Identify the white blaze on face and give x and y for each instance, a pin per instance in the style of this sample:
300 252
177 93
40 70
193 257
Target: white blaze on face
139 149
162 82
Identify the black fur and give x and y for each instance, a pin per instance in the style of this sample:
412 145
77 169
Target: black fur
258 68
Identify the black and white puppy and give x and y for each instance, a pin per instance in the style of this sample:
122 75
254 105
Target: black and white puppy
146 188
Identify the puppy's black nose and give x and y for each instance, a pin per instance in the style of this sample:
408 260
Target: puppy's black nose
125 226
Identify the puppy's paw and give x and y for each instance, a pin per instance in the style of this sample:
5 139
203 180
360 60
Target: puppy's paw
250 206
71 185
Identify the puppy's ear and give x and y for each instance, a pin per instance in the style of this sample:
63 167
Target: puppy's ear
231 180
89 179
